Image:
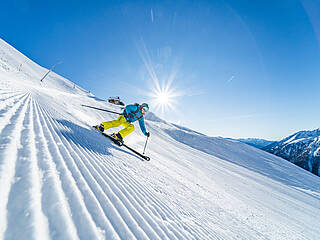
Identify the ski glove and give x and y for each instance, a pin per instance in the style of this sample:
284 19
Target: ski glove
148 134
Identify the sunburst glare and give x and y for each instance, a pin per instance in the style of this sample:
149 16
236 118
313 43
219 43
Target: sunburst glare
163 96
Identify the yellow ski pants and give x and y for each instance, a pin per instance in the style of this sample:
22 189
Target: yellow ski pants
128 127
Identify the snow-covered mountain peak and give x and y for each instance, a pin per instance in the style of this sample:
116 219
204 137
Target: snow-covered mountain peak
306 134
301 148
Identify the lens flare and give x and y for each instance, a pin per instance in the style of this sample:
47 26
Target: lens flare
162 95
163 98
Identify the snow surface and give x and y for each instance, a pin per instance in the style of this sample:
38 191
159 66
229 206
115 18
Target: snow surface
59 179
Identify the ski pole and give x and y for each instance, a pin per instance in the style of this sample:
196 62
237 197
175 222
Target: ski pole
145 145
105 110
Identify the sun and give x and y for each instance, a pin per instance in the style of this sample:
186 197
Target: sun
163 100
163 97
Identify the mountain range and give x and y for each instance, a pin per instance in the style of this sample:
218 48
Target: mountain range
255 142
301 148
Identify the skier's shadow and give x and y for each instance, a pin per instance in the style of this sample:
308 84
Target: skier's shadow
89 139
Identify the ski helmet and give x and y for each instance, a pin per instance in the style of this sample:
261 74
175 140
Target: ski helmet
145 107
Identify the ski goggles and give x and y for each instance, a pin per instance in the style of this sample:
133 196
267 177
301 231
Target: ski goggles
145 107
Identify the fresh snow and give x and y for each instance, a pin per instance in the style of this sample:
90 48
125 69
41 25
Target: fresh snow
59 179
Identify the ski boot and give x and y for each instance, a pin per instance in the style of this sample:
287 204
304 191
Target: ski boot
118 137
99 127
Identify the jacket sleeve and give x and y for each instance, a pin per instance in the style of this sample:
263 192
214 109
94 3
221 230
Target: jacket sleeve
129 108
142 126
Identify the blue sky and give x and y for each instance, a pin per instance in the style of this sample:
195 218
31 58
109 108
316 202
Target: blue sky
236 68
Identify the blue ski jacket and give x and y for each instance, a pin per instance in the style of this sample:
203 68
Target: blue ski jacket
133 113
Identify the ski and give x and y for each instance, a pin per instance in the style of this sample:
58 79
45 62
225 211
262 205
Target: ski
120 144
116 141
137 153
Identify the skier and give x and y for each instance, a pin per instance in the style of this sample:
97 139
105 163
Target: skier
130 114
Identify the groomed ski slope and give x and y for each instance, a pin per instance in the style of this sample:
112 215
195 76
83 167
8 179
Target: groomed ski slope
59 179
